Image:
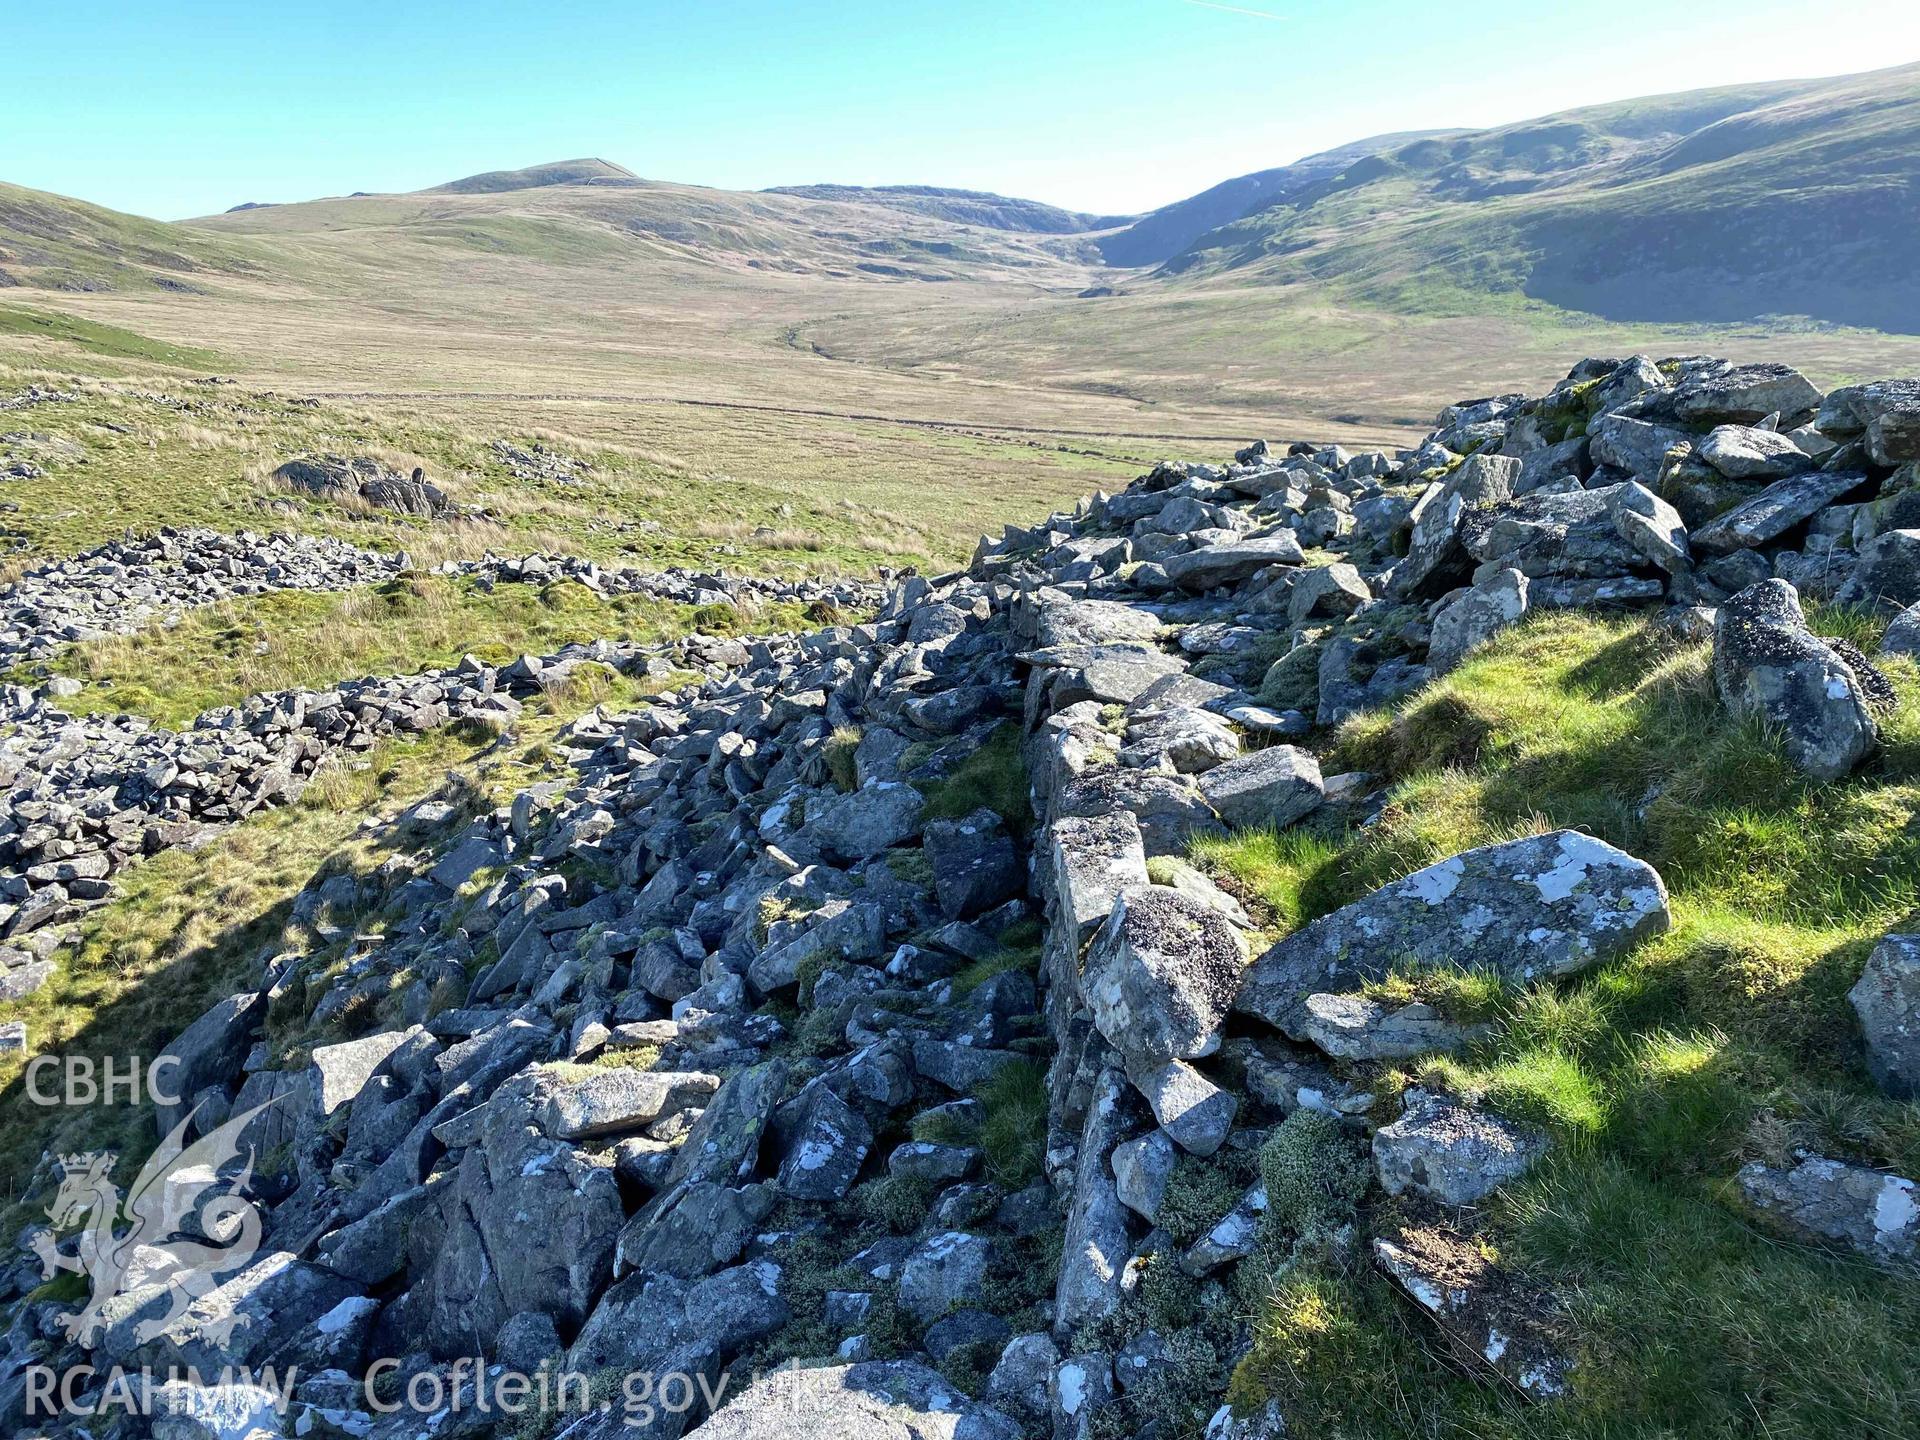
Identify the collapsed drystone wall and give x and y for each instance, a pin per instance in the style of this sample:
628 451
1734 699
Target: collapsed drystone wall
82 794
126 586
787 1029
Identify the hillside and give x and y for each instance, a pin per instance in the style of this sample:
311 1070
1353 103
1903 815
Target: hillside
55 243
533 177
1171 229
1320 942
962 207
1797 198
590 212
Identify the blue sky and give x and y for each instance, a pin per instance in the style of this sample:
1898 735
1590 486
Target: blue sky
172 109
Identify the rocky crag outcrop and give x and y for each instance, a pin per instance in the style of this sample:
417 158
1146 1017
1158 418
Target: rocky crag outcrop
855 1002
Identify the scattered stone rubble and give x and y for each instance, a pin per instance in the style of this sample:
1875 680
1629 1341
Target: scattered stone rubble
37 395
682 1064
537 462
124 586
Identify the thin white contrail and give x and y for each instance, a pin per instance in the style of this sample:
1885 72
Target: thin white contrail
1234 9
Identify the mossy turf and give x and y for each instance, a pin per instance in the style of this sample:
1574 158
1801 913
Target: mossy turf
223 653
1728 1039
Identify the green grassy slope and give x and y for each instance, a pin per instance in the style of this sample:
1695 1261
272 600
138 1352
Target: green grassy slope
52 242
1718 205
1728 1039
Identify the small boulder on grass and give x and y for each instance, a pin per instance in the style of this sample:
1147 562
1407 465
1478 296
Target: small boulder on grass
1769 666
1452 1152
1520 910
1829 1200
1887 1000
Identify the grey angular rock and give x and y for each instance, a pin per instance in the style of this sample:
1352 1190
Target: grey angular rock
1499 1317
1887 1000
1636 446
1525 909
946 1270
616 1101
1141 1170
827 1143
1450 1152
1767 664
1161 975
1774 511
1902 635
1478 484
975 866
1212 566
1274 786
1472 617
1098 1242
1885 414
1741 452
1233 1237
1886 577
1351 1027
1019 1381
871 819
1196 1113
694 1230
1094 858
1821 1199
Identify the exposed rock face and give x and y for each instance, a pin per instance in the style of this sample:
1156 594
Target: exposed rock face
362 481
1547 905
1767 664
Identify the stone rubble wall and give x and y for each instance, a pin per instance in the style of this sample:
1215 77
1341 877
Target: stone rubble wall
741 1016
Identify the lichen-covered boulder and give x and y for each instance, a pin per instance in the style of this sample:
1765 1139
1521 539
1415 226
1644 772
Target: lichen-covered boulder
1741 452
1470 618
1352 1027
1212 566
1525 909
1885 414
1477 484
1887 1000
1161 975
1774 511
1887 574
1451 1152
974 863
1767 664
1821 1199
1274 786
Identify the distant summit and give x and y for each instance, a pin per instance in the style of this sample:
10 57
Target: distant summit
537 177
962 207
